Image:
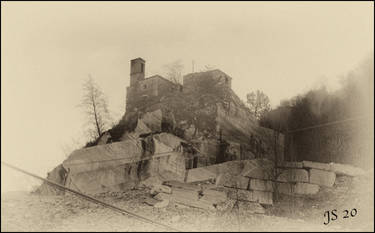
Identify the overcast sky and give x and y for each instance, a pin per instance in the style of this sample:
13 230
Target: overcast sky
49 48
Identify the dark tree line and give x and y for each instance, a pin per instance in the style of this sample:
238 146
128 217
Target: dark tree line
318 106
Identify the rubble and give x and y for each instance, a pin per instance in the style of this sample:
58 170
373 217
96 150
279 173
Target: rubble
57 175
161 189
246 207
162 204
162 196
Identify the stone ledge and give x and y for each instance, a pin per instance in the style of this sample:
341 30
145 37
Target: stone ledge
261 185
288 164
317 165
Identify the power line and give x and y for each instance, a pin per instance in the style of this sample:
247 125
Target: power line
327 124
92 199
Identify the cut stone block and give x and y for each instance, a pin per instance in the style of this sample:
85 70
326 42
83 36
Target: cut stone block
190 198
297 189
261 185
214 196
316 165
228 180
199 174
259 169
321 177
288 164
258 173
179 185
306 188
293 175
284 188
184 194
348 170
262 197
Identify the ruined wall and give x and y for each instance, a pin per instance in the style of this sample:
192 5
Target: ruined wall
206 111
193 80
148 91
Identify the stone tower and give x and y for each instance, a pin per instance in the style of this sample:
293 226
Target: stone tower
137 71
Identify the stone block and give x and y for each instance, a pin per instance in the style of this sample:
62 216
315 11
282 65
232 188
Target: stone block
321 177
297 189
228 180
262 197
293 175
316 165
261 185
242 182
305 188
214 196
258 173
284 188
287 164
347 170
259 169
199 174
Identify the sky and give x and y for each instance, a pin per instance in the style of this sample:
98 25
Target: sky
49 49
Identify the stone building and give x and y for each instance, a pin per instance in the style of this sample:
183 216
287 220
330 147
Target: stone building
203 110
143 89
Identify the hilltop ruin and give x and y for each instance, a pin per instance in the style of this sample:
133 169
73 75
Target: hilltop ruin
194 144
167 129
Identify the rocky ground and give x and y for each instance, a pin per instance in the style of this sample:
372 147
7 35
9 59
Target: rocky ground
21 211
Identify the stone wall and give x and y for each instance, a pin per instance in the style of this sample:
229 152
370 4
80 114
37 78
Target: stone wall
256 180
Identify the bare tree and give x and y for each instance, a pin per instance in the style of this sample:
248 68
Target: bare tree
173 71
94 104
258 103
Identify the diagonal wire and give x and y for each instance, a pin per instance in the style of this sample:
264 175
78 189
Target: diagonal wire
92 199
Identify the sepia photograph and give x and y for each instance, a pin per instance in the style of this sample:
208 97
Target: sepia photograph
187 116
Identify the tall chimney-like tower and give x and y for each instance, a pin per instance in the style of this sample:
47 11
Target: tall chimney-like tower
137 71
